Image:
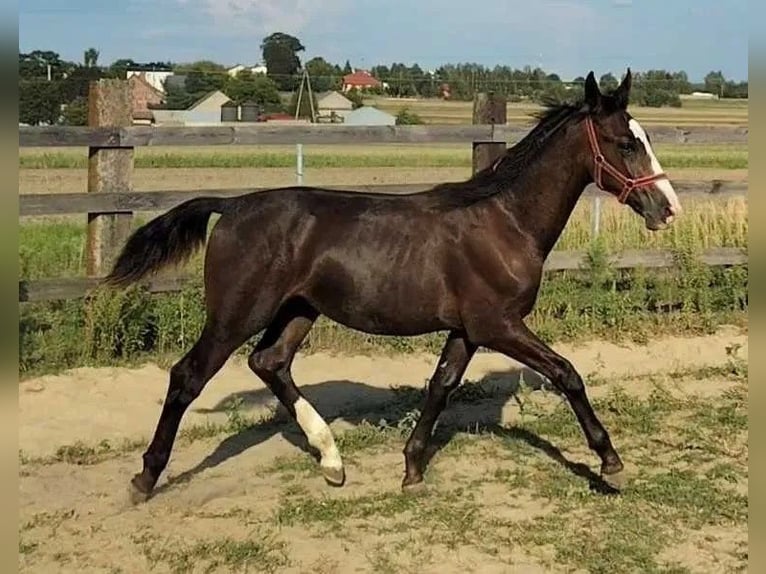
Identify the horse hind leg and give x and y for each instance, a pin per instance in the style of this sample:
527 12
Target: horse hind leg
272 360
454 359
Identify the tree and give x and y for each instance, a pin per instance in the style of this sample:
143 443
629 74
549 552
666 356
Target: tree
406 117
324 76
39 102
608 82
90 58
201 79
34 65
280 54
119 68
355 97
735 90
176 97
715 82
207 66
249 87
76 113
77 83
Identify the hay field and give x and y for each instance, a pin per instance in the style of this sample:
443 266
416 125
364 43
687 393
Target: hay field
692 112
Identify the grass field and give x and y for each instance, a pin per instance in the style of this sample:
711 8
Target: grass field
57 249
724 156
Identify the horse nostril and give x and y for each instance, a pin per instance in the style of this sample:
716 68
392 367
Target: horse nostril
669 211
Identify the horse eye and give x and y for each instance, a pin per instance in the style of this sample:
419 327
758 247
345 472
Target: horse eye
627 147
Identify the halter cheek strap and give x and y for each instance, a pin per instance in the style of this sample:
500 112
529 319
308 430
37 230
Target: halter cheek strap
601 165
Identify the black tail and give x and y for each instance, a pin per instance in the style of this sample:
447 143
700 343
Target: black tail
169 238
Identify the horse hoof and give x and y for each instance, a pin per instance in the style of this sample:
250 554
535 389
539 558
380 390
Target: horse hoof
137 492
334 476
616 480
414 487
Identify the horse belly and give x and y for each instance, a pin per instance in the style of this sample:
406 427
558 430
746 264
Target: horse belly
385 302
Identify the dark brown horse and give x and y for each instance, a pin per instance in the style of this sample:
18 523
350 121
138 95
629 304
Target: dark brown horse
464 257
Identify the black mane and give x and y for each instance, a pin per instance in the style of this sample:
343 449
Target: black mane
497 177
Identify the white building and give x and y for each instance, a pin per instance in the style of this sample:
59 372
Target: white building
257 69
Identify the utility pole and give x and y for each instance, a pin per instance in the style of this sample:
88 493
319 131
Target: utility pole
307 80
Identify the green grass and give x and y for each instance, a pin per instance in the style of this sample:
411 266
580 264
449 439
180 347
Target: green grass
49 250
732 156
260 553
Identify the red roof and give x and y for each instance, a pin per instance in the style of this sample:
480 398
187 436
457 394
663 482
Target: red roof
361 78
275 116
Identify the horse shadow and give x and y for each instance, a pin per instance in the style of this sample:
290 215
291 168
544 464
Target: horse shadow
480 406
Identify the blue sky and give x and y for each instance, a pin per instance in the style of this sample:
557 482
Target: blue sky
568 37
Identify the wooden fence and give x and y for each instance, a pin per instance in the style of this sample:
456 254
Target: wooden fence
110 200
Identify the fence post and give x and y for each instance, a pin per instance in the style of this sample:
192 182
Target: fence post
596 222
109 170
488 108
299 163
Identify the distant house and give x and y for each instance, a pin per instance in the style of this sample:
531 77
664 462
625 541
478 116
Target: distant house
210 102
208 110
369 116
155 78
361 80
257 69
144 96
333 106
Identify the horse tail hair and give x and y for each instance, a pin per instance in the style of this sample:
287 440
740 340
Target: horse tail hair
168 239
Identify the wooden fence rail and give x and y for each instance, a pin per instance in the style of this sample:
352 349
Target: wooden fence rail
329 134
76 287
110 201
119 201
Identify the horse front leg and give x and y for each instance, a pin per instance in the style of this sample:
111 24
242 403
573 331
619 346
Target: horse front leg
514 339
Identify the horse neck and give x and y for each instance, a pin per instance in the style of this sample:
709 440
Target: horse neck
541 200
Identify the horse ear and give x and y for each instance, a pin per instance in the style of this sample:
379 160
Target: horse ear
592 92
622 93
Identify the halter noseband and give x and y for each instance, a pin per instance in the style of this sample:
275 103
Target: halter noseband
601 164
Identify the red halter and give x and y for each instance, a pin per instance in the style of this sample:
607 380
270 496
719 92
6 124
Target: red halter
601 163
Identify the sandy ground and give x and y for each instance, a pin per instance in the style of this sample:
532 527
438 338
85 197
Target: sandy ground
91 527
113 403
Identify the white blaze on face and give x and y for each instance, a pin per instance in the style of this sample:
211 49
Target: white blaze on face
663 184
318 434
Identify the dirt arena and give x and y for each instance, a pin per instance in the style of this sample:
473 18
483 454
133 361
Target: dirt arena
511 491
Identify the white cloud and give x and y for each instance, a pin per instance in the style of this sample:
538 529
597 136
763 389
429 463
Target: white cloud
264 16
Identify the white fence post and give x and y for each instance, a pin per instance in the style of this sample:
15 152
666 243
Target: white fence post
596 221
299 163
